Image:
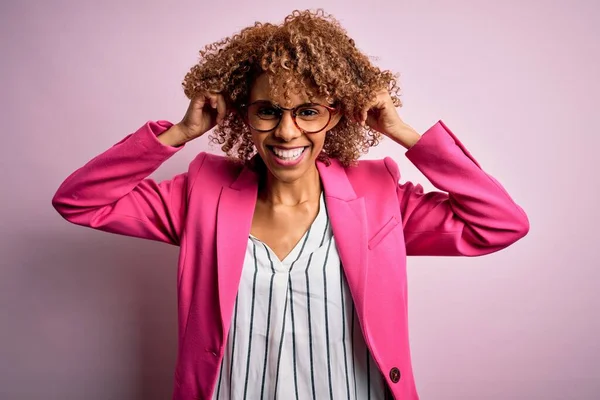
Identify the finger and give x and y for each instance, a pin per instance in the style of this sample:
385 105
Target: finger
221 108
196 101
363 116
213 100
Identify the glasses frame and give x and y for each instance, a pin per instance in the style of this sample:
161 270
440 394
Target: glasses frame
246 107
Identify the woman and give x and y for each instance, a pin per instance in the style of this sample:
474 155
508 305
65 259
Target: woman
292 275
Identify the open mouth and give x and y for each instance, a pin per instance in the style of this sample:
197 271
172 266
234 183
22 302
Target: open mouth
287 156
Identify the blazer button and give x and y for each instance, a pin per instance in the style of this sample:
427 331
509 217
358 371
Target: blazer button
395 375
214 353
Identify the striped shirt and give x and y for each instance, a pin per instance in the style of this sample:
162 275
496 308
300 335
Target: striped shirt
295 333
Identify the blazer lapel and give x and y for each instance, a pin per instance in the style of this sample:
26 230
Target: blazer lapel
347 214
234 221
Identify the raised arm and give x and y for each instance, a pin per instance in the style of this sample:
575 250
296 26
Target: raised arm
472 214
113 193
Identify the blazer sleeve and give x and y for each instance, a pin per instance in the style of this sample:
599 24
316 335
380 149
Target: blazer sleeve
472 215
113 193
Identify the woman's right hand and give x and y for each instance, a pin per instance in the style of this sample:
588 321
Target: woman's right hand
203 113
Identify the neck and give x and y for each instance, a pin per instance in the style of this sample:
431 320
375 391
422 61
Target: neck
302 190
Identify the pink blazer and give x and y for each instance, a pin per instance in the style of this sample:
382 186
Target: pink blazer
376 222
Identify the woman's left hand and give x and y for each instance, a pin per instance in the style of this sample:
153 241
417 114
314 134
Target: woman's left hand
382 116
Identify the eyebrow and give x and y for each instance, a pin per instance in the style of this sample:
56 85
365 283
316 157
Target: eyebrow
279 106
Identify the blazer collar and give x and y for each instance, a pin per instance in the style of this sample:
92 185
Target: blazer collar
348 217
335 181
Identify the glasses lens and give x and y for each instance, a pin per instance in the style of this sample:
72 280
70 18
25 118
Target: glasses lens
264 116
312 118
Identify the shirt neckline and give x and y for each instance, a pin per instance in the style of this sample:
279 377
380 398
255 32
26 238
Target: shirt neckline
320 220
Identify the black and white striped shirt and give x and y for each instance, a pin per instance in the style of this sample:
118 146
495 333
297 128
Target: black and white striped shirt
295 333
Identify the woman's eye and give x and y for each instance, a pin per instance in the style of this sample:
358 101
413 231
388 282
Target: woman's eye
308 112
267 112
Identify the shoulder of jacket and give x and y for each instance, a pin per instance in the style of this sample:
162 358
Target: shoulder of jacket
215 167
375 169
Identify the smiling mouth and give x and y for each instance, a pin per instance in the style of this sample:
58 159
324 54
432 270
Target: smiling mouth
287 154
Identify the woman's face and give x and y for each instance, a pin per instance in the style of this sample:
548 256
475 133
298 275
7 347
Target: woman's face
287 151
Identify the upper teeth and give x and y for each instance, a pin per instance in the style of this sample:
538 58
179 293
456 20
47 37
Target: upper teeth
294 153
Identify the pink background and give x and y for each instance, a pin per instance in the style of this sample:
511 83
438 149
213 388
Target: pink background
87 315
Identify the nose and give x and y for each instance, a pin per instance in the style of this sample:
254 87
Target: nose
287 129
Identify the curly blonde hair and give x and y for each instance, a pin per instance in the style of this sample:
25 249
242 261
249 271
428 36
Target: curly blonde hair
308 51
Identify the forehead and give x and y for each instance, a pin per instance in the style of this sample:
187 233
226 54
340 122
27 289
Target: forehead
276 93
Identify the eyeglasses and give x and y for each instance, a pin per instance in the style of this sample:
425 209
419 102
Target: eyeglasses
264 116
